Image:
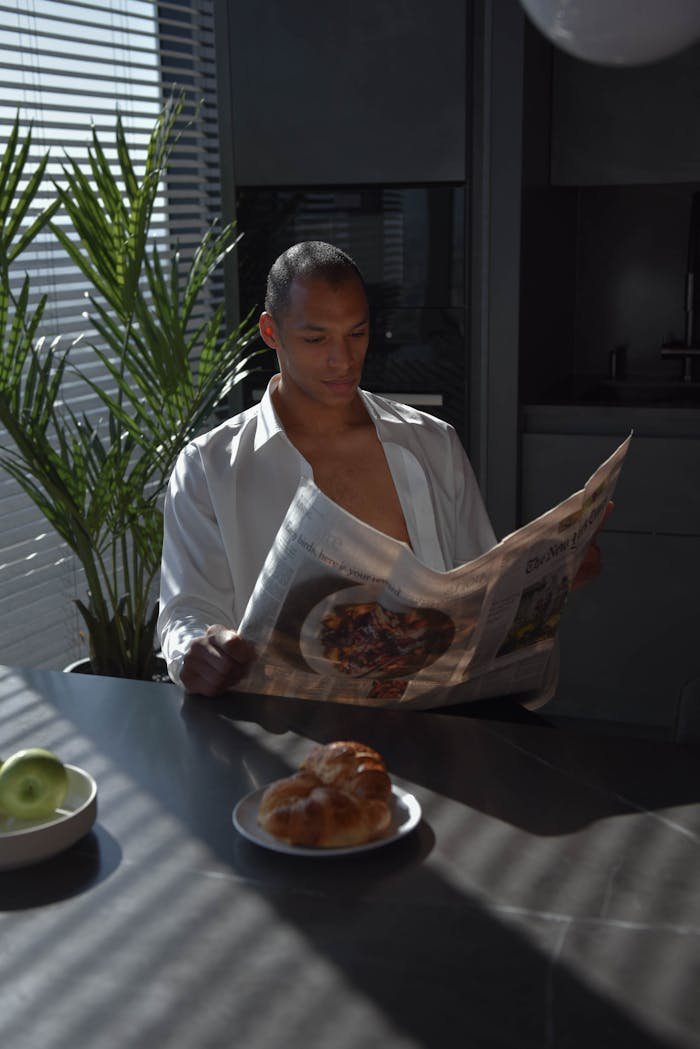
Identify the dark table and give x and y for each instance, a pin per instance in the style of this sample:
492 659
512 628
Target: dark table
550 897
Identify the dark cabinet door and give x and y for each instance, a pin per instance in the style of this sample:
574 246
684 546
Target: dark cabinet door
629 640
614 126
373 91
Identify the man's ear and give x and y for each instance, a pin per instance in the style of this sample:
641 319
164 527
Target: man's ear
268 330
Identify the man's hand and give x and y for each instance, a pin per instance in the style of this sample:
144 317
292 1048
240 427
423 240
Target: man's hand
215 661
592 564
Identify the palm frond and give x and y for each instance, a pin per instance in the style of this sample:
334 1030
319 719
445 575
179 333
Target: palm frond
165 363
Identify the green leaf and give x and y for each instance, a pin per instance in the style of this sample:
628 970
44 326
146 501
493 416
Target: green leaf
164 362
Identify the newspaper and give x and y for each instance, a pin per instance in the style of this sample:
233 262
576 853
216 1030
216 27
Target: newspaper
344 613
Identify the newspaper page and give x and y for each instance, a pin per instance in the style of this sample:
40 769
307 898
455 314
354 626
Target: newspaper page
344 613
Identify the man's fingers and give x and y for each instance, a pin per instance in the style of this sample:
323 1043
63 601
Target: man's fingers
592 564
590 567
215 661
606 514
205 669
232 646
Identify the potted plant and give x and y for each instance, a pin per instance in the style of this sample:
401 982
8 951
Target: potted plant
166 364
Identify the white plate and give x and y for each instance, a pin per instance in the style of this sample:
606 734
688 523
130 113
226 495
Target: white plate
27 841
405 816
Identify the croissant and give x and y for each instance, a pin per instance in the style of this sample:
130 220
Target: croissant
339 798
353 767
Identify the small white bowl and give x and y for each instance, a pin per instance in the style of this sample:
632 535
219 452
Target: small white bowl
23 842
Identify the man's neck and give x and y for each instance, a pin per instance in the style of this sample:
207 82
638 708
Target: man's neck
304 417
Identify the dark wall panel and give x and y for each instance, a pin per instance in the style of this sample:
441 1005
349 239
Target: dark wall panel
337 93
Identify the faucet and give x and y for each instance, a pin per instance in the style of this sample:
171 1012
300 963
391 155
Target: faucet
690 347
687 353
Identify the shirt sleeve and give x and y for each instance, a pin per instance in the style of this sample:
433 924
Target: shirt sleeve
196 586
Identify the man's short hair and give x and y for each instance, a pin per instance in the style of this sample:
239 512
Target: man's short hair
310 258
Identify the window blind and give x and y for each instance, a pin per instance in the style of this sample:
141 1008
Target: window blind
66 67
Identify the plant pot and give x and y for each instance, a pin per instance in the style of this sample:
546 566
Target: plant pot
82 666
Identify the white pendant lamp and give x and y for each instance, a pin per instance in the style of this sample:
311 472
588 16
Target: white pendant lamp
618 32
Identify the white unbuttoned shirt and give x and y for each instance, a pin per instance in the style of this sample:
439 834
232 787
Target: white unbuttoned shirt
231 488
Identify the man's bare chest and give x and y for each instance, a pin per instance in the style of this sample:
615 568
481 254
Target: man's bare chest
358 478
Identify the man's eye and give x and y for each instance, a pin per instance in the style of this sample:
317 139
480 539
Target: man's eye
313 338
359 334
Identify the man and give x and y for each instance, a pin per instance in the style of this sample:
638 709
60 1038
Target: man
399 470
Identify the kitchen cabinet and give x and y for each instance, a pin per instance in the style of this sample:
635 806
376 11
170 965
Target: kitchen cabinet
622 126
344 94
611 158
658 490
629 641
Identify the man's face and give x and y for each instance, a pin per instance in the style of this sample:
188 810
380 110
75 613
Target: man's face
321 340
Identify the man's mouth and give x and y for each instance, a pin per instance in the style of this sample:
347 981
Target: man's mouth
340 384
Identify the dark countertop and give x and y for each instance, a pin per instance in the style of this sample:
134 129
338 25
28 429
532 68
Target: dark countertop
615 419
548 898
651 405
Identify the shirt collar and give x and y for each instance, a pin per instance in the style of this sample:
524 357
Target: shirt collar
268 424
381 410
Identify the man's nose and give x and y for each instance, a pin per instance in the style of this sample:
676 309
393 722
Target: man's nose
340 352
